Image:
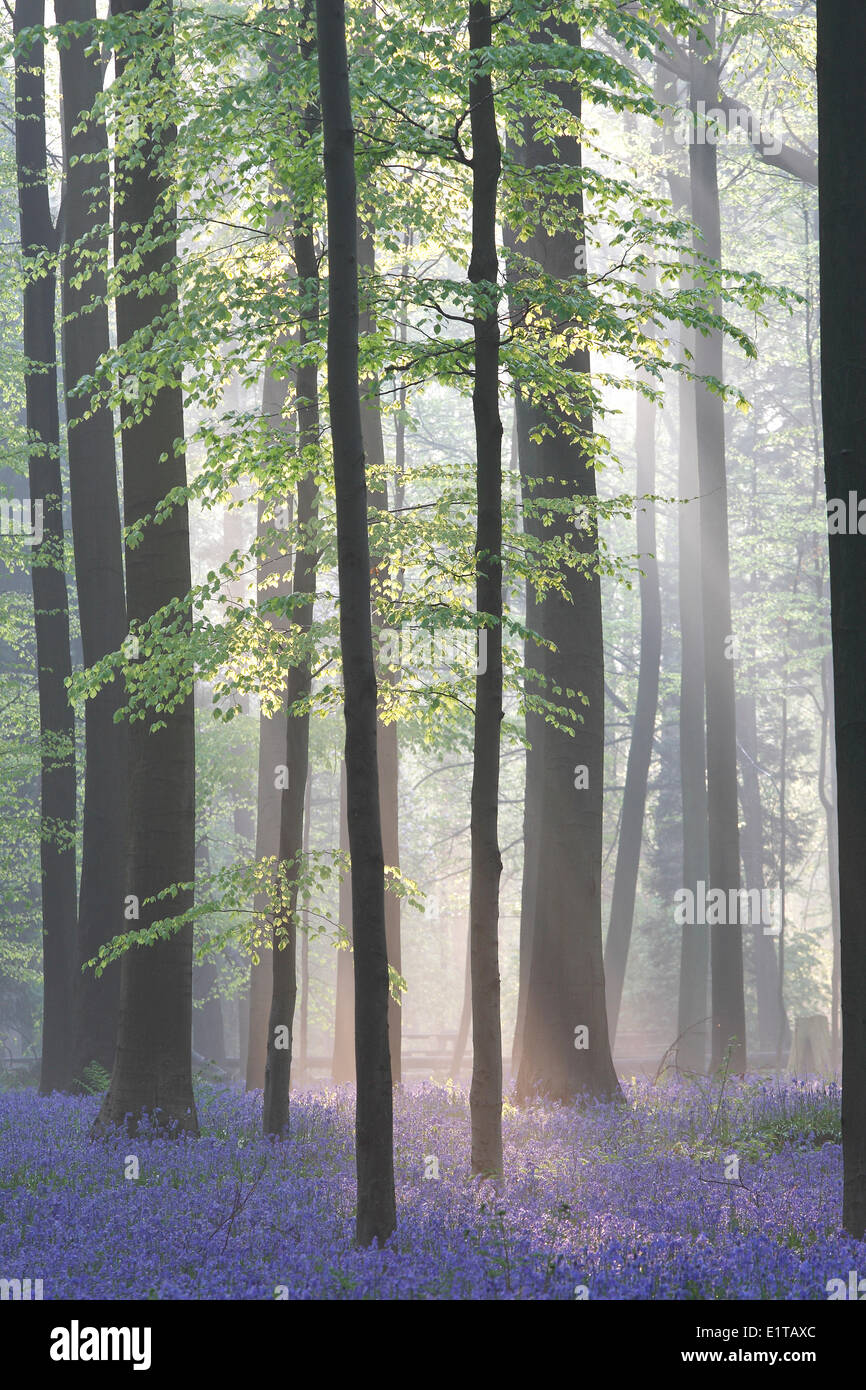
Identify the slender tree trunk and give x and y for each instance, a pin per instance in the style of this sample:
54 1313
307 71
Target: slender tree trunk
243 819
752 844
376 1212
782 1021
343 1061
273 582
95 528
284 954
641 746
533 788
829 802
303 1063
389 793
485 1095
533 803
628 856
281 1022
243 1025
50 598
565 1050
389 752
272 750
152 1069
726 940
465 1012
207 1027
692 1014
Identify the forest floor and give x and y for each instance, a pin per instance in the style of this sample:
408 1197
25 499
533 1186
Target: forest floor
690 1191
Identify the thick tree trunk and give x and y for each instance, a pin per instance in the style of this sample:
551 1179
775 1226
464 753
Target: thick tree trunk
50 598
153 1065
565 1050
842 205
376 1212
95 529
728 1028
485 1095
641 746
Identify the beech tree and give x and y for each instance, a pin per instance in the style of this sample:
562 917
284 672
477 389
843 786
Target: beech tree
643 725
640 749
297 753
728 1028
485 1095
386 731
50 596
95 524
153 1065
563 986
376 1214
272 750
343 1059
842 204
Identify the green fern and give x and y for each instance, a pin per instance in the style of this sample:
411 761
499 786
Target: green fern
94 1079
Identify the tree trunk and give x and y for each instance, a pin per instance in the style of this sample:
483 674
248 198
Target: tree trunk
485 1094
465 1013
376 1212
50 598
207 1026
829 803
272 750
343 1061
389 793
153 1065
692 1016
95 529
303 1050
752 844
565 1049
278 1065
533 787
389 752
726 940
641 746
290 857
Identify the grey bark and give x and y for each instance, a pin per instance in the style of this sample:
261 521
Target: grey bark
50 597
96 531
153 1066
376 1211
728 1027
